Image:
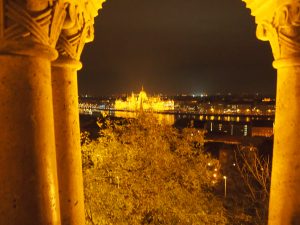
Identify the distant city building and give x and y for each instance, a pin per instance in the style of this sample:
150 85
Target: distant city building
137 102
262 129
219 115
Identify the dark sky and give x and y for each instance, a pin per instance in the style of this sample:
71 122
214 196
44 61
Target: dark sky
176 46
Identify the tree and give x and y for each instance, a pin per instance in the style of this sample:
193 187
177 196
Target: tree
248 185
142 172
255 171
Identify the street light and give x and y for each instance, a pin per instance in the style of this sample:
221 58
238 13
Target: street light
225 186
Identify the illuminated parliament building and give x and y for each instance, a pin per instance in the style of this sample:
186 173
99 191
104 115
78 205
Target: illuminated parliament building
138 102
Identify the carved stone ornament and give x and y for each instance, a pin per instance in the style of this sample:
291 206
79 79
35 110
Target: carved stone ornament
279 23
78 29
27 25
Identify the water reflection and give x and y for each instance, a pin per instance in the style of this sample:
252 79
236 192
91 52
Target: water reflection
168 119
171 118
225 124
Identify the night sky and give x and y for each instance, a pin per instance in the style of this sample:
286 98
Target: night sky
176 46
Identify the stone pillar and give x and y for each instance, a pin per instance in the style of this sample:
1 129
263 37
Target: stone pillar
28 175
78 31
67 135
279 23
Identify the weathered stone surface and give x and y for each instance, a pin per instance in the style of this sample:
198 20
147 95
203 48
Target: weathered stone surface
78 30
285 198
67 135
28 193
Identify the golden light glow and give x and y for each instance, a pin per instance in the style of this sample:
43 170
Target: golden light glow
141 101
266 99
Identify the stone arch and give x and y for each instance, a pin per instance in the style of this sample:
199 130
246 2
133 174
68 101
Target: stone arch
39 106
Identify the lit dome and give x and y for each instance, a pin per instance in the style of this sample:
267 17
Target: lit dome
143 96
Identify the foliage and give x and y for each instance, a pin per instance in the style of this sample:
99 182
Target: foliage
142 172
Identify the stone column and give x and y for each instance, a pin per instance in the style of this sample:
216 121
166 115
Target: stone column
67 135
78 31
28 175
279 22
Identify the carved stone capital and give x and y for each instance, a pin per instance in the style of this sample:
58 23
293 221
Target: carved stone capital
67 62
279 23
79 28
31 27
